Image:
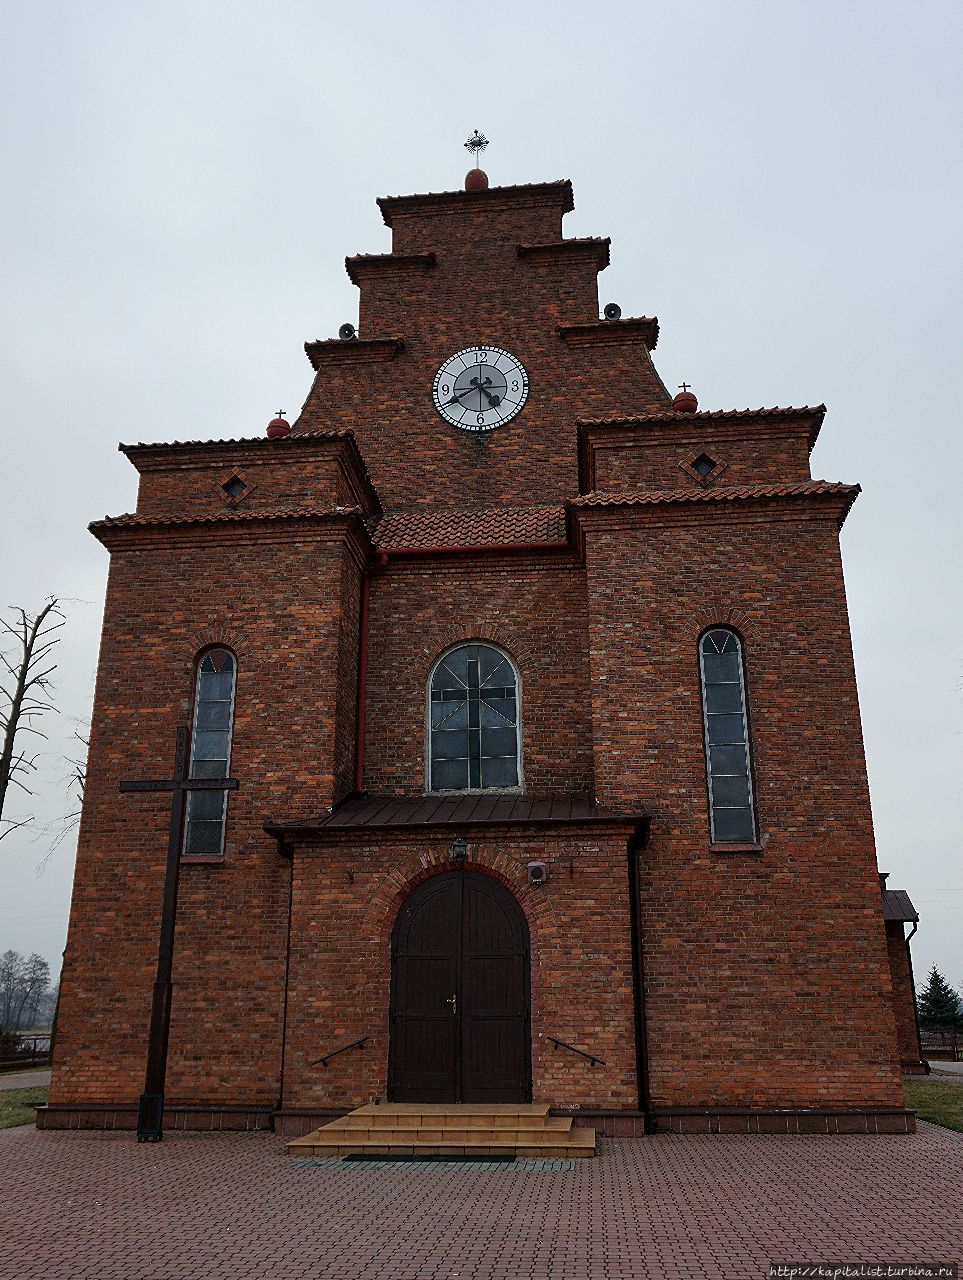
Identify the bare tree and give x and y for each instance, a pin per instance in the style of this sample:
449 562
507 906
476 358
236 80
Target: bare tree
74 781
24 986
26 692
11 977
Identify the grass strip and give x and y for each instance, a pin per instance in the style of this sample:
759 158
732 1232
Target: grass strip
14 1108
937 1100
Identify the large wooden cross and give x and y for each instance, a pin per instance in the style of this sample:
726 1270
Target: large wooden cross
150 1113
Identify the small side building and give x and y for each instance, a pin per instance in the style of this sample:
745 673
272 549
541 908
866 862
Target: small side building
898 911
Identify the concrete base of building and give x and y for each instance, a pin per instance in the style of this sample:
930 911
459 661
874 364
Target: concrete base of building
296 1122
201 1119
789 1120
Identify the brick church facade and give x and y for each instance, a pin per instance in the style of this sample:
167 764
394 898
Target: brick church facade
538 687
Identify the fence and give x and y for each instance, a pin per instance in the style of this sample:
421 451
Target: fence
942 1046
19 1050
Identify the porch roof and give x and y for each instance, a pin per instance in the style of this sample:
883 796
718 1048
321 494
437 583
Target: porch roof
383 812
897 906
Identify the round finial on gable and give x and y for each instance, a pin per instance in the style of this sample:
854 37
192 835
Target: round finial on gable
278 427
685 401
476 179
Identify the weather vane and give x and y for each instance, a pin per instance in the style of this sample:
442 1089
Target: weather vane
476 144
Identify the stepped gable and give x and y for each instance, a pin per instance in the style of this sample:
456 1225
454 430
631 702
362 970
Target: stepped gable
466 269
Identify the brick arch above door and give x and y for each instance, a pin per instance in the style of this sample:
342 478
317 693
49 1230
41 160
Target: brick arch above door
483 857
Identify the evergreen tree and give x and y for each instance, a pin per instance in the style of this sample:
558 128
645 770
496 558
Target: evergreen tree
939 1004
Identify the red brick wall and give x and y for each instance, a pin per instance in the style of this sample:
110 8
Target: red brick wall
163 605
479 229
534 608
658 459
346 898
278 475
345 693
753 961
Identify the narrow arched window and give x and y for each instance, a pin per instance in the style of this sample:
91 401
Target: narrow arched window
728 764
210 752
473 721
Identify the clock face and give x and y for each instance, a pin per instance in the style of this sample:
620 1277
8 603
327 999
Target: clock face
480 388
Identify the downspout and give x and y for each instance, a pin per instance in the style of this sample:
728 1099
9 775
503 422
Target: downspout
287 973
916 1011
638 841
362 680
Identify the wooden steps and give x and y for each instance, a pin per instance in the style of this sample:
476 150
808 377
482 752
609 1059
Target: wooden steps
467 1129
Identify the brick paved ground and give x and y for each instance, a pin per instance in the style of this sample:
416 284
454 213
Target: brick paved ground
75 1206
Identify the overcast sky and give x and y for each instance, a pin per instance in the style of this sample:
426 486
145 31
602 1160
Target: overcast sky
781 182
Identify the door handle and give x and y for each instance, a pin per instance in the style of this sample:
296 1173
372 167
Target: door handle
453 1001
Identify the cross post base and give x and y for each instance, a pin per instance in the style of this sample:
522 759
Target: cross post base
150 1118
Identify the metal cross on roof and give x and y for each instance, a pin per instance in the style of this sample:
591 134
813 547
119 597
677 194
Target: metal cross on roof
476 144
281 412
684 386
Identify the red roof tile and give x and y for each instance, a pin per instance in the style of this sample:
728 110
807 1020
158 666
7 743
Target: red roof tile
470 527
611 331
133 521
706 415
561 190
359 262
597 245
284 442
720 493
358 350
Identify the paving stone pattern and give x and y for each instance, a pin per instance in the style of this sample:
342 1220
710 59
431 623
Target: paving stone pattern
96 1206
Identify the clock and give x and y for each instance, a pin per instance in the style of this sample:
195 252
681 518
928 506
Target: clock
480 388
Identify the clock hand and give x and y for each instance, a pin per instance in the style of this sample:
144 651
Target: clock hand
493 400
456 398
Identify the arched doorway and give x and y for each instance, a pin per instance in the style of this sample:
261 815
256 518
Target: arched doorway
460 1020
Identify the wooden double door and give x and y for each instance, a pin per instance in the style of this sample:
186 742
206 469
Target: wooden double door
460 1019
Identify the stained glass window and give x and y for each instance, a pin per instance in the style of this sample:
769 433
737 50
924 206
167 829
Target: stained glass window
210 752
474 721
728 766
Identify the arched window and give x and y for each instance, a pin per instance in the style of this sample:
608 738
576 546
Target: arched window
728 765
473 721
210 752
